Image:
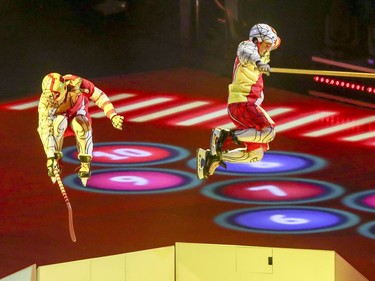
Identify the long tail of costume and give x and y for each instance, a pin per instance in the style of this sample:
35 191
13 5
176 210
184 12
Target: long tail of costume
66 199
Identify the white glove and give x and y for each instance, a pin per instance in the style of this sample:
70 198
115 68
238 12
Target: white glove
117 121
263 67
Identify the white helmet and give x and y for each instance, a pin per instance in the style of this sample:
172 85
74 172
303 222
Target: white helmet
263 32
54 88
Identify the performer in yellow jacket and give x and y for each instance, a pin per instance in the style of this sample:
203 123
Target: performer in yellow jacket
254 128
63 111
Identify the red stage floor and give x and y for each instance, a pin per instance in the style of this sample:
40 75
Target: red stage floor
313 190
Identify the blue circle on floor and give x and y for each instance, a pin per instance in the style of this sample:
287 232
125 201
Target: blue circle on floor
129 154
368 230
287 220
364 201
273 163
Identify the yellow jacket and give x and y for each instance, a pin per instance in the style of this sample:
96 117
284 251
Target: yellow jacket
247 81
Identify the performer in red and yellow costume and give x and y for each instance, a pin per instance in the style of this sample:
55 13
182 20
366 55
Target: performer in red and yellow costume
254 128
63 111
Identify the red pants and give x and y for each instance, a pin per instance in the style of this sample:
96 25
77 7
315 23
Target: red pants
245 116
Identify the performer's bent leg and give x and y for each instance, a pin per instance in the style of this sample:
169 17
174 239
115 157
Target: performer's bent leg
53 143
241 155
82 129
83 132
266 135
60 124
222 138
253 123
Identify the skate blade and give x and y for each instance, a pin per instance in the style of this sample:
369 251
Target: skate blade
84 181
200 160
214 138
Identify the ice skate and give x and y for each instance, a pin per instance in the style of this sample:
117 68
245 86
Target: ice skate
84 172
200 160
206 164
84 181
218 137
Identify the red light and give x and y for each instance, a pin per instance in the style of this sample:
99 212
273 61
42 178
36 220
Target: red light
344 84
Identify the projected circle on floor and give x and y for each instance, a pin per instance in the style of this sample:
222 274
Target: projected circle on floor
287 220
129 154
134 181
272 191
275 163
364 201
368 230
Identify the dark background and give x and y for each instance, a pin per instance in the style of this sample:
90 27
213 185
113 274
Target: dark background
41 36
